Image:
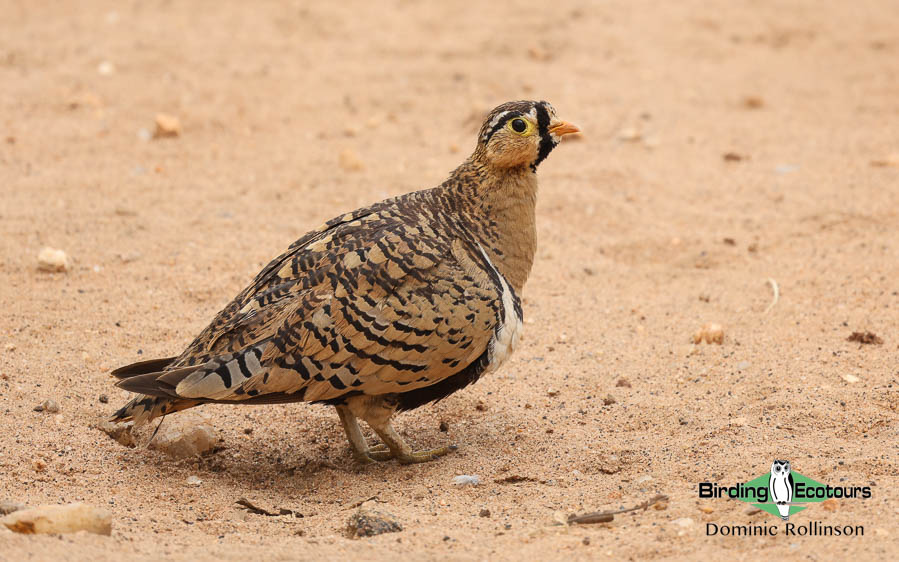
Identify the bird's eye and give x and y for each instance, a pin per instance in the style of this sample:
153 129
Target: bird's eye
518 125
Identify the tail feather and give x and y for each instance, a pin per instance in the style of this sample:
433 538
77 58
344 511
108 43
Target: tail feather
156 390
143 367
161 384
162 391
144 408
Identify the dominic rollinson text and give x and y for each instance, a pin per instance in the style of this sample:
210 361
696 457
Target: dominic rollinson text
810 529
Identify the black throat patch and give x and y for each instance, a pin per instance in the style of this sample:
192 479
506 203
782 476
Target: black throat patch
546 139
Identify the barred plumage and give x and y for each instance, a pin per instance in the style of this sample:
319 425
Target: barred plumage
385 308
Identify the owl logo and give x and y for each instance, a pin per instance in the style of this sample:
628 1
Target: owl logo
780 484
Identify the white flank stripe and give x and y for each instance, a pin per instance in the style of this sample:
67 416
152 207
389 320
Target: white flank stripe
506 337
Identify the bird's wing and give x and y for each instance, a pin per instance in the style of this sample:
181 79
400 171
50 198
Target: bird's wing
370 307
303 266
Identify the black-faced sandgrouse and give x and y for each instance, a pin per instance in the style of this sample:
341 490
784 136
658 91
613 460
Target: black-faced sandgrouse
380 310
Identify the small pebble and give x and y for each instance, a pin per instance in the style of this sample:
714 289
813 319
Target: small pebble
623 382
483 513
350 161
49 406
368 523
786 168
129 257
467 480
586 541
444 427
193 481
552 392
119 432
52 260
105 68
753 102
104 399
609 400
851 379
629 134
710 333
167 126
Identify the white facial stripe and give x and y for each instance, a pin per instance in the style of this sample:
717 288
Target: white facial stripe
494 121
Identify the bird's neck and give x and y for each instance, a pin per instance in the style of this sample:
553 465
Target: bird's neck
502 203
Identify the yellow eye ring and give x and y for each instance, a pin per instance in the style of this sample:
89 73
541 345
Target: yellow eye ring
520 126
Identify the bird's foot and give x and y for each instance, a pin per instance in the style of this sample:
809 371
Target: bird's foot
379 452
425 456
373 454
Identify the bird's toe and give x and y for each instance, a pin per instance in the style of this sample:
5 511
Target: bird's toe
426 456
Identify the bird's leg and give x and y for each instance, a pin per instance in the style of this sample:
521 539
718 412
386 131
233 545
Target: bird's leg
376 411
361 451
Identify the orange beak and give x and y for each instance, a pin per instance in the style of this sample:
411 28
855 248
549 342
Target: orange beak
563 128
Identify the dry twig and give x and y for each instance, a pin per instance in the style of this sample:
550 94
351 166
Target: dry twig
252 508
607 516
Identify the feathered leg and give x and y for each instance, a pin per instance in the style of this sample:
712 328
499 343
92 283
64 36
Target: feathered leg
361 451
377 411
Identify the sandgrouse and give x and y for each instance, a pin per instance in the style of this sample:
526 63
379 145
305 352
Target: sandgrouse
380 310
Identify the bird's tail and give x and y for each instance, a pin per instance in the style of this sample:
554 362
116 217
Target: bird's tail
157 402
144 408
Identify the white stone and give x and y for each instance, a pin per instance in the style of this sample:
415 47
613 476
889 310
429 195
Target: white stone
185 436
51 259
60 519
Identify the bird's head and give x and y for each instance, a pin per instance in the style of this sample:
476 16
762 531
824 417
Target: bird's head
521 133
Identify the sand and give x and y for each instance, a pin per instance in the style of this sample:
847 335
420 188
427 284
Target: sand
724 145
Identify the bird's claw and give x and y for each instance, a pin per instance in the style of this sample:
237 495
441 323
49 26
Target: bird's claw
425 456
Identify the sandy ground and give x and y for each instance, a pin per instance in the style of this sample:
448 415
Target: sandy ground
647 231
